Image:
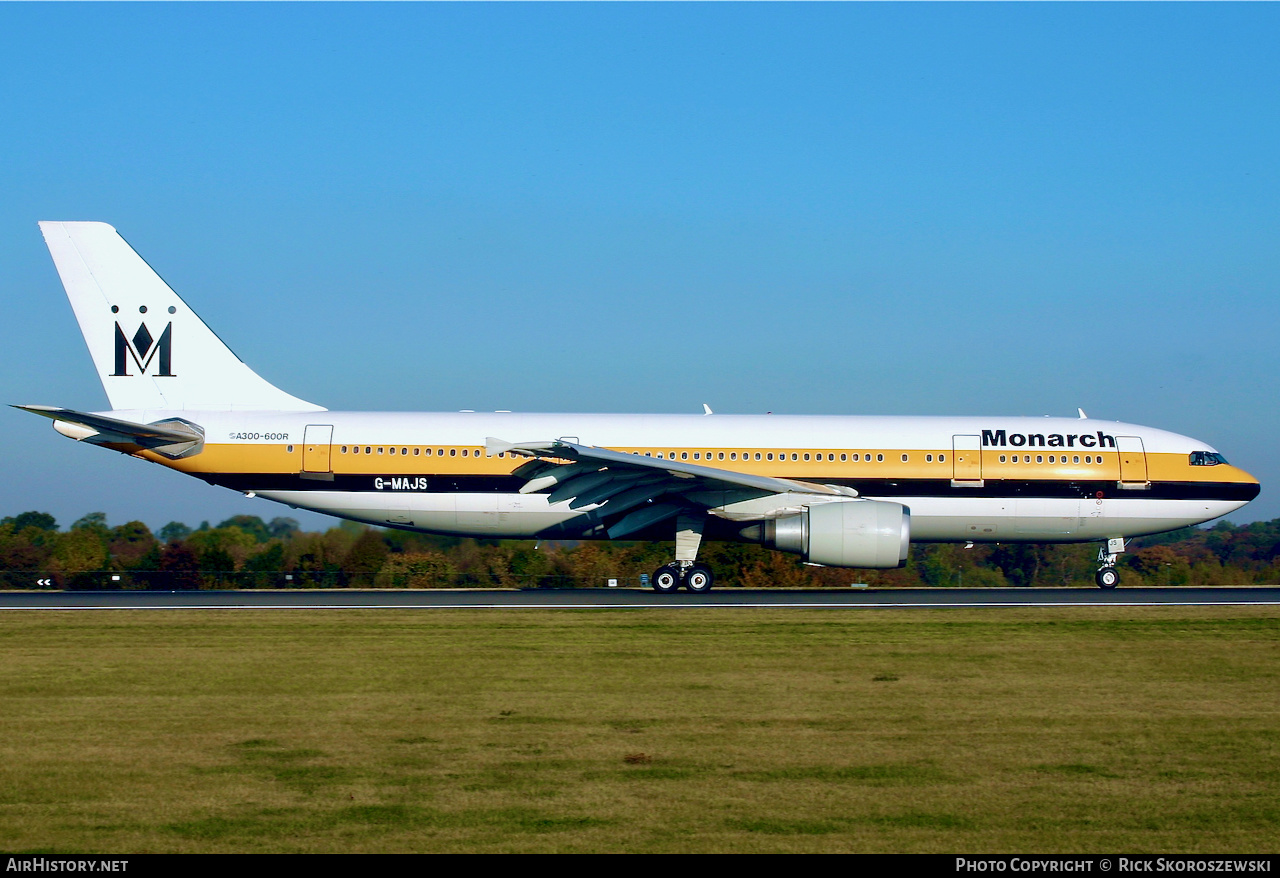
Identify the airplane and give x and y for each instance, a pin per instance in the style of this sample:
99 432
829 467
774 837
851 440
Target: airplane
838 491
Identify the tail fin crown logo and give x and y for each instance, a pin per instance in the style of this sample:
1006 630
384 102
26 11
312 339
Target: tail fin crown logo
144 349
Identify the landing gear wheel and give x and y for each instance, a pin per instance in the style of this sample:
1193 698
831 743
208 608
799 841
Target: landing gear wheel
699 579
1107 577
666 579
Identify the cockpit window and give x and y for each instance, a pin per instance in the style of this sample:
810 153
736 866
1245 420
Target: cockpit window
1206 458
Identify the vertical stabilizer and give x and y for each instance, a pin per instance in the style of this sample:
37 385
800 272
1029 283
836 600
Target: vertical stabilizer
150 349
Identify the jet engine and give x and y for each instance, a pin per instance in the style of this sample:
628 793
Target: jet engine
845 533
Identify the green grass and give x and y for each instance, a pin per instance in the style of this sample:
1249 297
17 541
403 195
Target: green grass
1074 730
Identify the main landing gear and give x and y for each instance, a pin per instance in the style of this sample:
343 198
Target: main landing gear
685 570
696 578
1107 576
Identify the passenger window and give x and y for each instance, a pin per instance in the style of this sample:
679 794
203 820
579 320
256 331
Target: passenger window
453 452
904 458
879 458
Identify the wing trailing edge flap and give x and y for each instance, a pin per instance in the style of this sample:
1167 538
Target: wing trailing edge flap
621 482
173 438
644 517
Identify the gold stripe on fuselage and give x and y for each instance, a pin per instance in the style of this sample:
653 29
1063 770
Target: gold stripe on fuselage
883 463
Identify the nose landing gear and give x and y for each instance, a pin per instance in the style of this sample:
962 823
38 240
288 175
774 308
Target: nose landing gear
1107 576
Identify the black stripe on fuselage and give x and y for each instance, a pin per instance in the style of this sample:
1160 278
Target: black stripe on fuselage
886 488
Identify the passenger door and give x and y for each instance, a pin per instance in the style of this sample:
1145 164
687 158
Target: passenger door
316 441
1133 462
966 461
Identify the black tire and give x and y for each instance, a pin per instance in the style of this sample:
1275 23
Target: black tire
666 579
1107 577
699 579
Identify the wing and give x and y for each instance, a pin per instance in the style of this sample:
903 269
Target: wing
643 490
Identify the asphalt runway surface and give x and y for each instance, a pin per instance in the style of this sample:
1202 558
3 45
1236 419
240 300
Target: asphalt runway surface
605 598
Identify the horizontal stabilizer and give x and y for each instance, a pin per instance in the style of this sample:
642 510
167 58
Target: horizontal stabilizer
173 438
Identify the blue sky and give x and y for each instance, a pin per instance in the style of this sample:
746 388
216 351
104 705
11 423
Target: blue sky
828 208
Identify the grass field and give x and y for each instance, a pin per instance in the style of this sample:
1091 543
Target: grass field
994 730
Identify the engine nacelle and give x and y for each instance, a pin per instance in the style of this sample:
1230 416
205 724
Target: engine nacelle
844 533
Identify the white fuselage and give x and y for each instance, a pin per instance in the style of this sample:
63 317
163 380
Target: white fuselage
981 479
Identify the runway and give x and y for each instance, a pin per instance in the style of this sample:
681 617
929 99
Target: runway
629 598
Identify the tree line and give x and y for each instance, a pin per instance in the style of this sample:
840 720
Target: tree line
246 552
